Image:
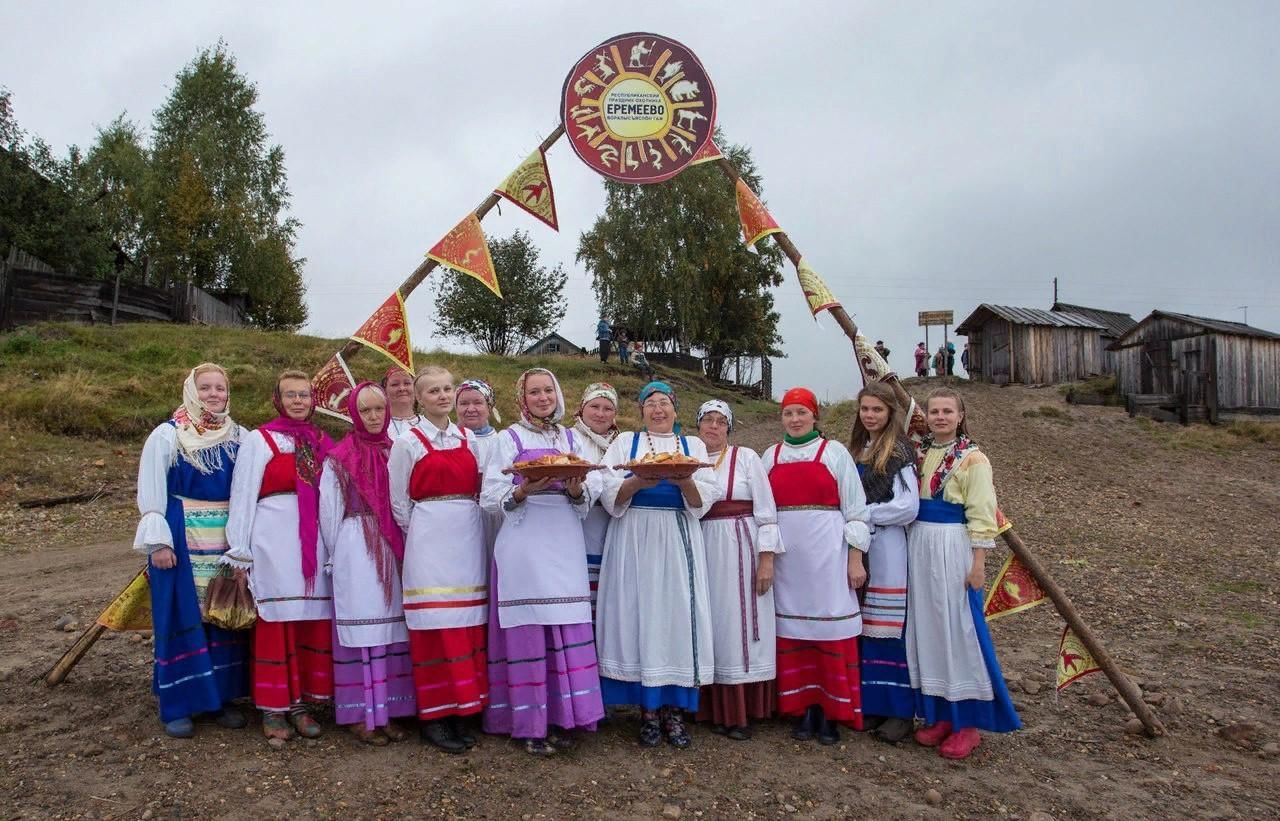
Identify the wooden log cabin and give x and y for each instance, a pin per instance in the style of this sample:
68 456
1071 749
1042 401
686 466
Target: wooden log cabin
1178 367
1033 346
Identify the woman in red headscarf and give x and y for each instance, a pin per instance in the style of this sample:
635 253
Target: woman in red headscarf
822 513
373 678
272 528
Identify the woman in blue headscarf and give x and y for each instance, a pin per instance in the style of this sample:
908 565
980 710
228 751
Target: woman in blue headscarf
653 622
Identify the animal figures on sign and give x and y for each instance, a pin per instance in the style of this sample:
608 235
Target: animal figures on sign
608 154
638 53
687 119
579 112
587 132
629 159
655 157
670 70
584 86
603 69
684 90
681 144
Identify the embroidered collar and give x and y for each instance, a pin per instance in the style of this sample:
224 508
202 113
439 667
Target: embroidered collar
955 452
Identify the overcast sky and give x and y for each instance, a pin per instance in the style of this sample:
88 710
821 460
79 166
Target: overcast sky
923 156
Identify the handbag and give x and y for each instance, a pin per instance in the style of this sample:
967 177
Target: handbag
228 603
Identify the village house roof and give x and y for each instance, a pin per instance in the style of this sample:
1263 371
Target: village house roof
1024 316
1114 323
1221 326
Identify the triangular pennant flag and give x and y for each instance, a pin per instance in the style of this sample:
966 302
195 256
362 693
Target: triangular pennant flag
1013 590
529 187
331 386
464 250
871 359
1074 661
1002 522
815 290
756 221
710 152
131 610
387 332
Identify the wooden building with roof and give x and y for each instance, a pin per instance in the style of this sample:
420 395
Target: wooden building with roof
1032 346
1192 367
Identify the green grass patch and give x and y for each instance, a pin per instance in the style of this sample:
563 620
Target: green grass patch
119 382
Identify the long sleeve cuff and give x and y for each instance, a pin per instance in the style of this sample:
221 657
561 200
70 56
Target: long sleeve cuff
238 560
153 533
858 535
769 539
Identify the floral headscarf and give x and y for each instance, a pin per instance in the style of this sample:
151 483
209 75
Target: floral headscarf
203 437
549 423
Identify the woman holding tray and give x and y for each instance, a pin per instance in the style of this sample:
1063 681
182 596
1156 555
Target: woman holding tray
597 429
742 537
653 624
543 679
822 512
435 489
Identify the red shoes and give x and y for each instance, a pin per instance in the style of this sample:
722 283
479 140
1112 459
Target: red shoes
932 735
960 744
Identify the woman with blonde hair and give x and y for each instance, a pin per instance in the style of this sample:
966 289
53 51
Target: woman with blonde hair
950 655
435 490
184 482
886 463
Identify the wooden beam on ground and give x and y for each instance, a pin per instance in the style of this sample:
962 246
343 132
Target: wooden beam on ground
74 653
1124 685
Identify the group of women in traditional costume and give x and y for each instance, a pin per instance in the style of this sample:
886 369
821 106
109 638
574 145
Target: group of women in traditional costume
408 572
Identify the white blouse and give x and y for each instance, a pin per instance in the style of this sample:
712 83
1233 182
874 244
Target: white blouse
159 454
853 499
619 453
405 453
751 484
502 453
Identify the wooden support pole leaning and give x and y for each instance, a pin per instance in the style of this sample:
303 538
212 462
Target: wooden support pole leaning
1124 685
74 653
428 265
1127 689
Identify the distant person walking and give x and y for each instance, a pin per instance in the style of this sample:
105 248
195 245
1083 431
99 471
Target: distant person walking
951 359
624 350
922 360
882 350
940 361
604 335
964 358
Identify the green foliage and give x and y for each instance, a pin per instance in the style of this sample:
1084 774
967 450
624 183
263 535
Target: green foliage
668 262
118 383
532 303
42 210
204 202
217 193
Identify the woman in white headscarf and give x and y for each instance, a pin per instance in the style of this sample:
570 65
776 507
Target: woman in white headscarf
741 536
543 679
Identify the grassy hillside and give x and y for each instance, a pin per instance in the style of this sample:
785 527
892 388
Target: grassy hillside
118 383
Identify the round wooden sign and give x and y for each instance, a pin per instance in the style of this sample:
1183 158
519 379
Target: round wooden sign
638 107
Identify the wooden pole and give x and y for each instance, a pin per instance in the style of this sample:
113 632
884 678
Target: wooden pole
74 653
1127 689
1124 685
428 265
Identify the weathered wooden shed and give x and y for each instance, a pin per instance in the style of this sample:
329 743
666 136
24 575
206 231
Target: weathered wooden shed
553 343
1115 324
1198 368
1031 346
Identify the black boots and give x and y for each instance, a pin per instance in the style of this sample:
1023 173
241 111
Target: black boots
441 736
814 723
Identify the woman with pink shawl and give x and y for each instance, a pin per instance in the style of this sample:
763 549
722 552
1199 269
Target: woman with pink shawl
273 534
372 674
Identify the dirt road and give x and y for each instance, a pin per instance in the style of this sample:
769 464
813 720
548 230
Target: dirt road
1167 544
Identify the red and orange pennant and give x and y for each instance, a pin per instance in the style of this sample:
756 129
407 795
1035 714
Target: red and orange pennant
710 152
1013 590
1074 659
331 386
131 610
757 223
387 332
816 292
529 187
464 250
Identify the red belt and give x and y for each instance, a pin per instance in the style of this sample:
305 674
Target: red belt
729 509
